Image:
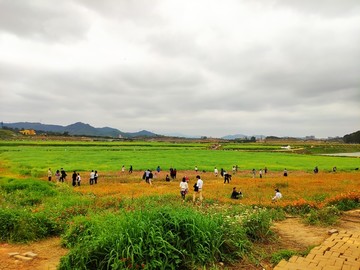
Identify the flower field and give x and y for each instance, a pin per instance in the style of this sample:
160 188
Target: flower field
299 188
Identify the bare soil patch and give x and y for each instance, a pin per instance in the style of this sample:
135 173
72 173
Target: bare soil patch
49 252
294 234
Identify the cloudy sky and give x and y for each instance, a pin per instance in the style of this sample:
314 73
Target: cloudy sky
202 67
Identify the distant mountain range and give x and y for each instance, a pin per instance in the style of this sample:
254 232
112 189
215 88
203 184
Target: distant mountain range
80 129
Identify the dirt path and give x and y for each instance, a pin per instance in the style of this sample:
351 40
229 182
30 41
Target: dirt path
49 252
295 235
292 233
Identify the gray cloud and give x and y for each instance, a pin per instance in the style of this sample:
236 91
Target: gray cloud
285 68
43 20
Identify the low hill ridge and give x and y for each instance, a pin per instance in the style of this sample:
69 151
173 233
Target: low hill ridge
80 128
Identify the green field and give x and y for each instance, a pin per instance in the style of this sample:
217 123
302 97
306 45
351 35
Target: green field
29 158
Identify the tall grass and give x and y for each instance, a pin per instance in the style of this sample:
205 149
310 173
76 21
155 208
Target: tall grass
159 238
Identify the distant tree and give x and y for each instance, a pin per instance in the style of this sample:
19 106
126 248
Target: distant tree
352 138
253 139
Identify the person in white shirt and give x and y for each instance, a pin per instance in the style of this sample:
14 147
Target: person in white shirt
198 189
78 179
277 196
216 172
92 176
184 187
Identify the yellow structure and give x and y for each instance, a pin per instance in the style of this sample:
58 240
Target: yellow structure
28 132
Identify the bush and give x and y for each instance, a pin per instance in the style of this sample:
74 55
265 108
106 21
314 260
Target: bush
257 224
325 216
282 254
23 226
159 238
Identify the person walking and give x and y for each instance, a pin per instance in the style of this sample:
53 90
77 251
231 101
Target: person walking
151 176
92 176
74 176
96 176
285 172
198 187
184 187
57 175
63 175
49 174
78 179
131 169
216 172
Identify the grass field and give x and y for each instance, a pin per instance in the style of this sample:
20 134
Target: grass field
124 223
33 159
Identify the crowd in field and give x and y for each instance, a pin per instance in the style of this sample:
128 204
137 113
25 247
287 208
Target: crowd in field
61 175
148 176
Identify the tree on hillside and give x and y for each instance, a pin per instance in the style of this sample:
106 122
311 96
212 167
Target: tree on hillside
352 138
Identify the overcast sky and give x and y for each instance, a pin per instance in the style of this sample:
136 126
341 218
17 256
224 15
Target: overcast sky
202 67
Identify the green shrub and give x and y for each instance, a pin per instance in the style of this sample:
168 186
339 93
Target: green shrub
324 216
23 226
257 223
282 254
346 204
158 238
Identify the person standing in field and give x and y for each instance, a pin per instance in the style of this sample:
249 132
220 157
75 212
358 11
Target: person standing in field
254 173
198 187
260 173
184 187
233 169
151 175
92 176
78 179
96 176
131 169
158 169
285 172
49 174
147 175
57 175
74 176
216 172
123 168
63 175
196 169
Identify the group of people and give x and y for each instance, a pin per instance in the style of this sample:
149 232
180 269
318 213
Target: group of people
198 186
61 175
